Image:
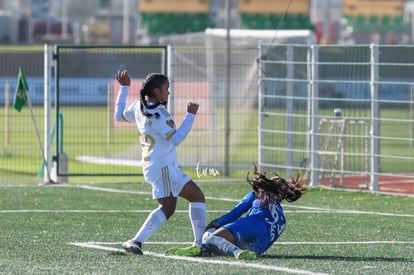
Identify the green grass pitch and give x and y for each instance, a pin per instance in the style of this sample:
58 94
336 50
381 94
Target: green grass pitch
78 229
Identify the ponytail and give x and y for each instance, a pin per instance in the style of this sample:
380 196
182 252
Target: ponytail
152 81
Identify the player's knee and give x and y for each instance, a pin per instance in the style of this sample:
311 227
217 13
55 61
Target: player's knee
200 197
168 212
198 194
168 208
207 234
192 192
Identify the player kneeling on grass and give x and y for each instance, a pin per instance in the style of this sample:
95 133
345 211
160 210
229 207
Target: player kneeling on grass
249 237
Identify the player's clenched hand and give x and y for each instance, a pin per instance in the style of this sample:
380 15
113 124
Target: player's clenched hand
192 107
123 78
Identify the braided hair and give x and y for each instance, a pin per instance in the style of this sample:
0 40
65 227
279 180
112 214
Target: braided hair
152 81
276 187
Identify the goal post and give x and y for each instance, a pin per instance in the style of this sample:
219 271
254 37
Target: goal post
332 150
344 152
81 77
47 113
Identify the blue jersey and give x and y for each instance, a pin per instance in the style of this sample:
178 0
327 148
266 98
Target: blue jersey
259 229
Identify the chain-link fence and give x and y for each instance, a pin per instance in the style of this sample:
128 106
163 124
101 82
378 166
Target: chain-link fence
342 113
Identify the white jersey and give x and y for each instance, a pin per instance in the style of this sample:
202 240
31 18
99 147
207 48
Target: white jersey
158 133
155 133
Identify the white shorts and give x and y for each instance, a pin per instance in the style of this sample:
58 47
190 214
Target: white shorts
165 181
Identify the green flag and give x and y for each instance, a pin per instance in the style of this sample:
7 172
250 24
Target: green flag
20 97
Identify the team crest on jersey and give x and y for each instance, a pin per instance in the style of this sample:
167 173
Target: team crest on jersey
170 123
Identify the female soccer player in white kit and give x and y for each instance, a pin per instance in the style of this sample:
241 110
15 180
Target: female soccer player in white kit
159 138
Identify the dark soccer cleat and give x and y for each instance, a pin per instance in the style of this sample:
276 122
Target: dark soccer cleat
132 247
206 252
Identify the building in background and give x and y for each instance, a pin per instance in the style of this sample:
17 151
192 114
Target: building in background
144 21
326 16
69 21
379 22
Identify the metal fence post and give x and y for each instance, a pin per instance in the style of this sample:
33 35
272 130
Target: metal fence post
374 117
289 109
47 107
313 56
261 152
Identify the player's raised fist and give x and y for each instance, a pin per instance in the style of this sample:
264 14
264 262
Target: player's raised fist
192 107
123 78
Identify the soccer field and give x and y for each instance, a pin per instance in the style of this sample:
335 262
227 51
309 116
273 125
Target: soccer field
78 229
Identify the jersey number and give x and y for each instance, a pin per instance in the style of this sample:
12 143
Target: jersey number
147 144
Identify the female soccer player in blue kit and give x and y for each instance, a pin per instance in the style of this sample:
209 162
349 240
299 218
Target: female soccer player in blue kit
159 137
249 237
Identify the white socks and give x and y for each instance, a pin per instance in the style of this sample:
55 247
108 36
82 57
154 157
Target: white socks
197 213
153 222
222 246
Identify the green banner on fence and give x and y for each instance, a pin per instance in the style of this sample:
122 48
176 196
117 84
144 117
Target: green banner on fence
22 88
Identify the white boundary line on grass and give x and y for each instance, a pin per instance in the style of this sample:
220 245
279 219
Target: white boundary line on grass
101 245
198 259
137 192
276 243
339 211
315 211
307 209
252 265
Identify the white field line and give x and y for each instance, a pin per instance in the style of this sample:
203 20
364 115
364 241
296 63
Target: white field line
338 211
333 211
94 211
137 192
201 260
307 209
276 243
101 246
385 191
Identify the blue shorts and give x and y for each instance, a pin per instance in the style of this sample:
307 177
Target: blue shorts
250 233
